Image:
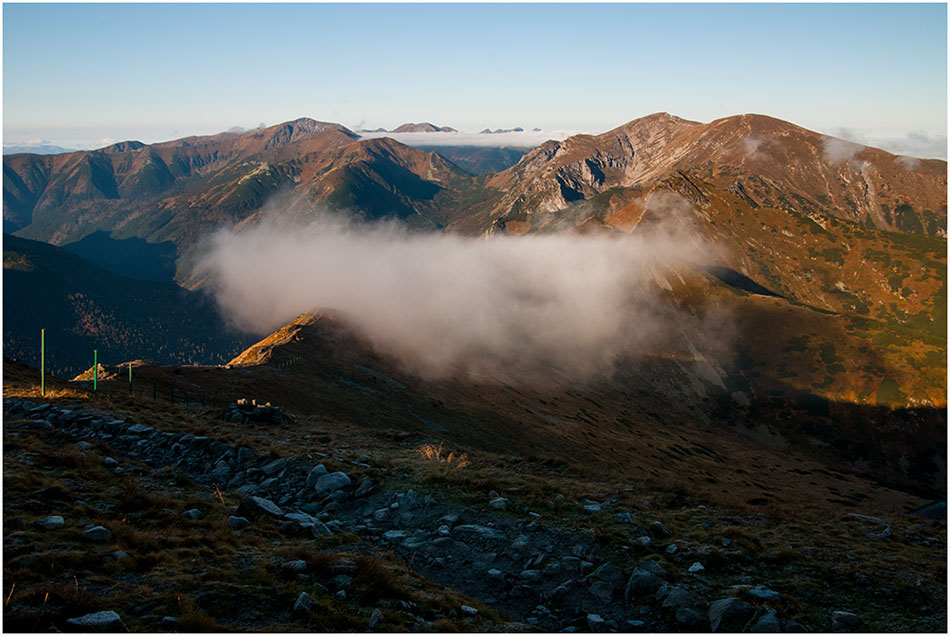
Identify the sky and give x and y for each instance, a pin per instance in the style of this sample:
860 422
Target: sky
82 75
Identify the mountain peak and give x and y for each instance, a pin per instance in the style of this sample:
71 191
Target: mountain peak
424 127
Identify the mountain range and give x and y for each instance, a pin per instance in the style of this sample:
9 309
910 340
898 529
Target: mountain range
845 239
775 460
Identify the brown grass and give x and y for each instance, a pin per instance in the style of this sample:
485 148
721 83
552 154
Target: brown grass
378 580
433 453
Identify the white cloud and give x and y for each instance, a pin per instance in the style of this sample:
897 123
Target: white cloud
558 306
915 143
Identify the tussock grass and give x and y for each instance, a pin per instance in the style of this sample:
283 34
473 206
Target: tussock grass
435 454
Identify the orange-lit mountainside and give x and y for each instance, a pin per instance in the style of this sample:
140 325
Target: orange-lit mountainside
791 477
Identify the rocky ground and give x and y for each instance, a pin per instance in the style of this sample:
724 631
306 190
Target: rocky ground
113 522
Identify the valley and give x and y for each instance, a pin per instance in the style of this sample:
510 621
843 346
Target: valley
779 420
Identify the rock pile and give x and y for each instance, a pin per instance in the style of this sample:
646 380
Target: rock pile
549 578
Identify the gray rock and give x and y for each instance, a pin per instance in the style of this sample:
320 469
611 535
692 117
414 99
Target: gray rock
646 542
252 506
246 456
170 623
394 535
696 568
318 529
729 615
623 517
331 482
596 624
602 590
193 514
238 522
678 598
672 549
304 604
298 565
768 622
763 593
690 619
96 534
499 503
375 618
641 584
315 473
608 572
139 429
299 517
473 530
658 531
593 509
118 555
83 446
530 576
365 489
53 522
654 567
468 610
107 621
108 462
846 621
636 626
272 468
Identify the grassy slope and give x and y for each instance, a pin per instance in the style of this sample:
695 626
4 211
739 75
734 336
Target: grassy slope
211 578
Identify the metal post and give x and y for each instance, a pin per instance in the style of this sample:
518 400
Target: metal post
43 362
95 370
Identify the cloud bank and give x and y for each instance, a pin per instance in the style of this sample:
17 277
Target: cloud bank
913 144
565 306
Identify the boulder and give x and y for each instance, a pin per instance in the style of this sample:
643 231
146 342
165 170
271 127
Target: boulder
304 604
99 622
96 534
596 624
238 522
658 531
298 565
641 584
766 622
729 615
331 482
375 618
678 598
763 593
477 531
654 567
690 619
846 621
273 467
53 522
252 506
498 503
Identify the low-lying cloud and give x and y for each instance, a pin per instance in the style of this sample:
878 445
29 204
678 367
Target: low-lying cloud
913 144
565 305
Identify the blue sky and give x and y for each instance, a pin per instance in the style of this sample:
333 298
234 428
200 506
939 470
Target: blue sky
74 74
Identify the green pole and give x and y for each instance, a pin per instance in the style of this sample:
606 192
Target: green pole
95 370
43 362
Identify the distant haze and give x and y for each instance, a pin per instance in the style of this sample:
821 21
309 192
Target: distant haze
565 305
